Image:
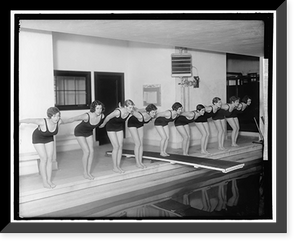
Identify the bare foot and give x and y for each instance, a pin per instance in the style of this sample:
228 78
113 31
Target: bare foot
86 176
235 145
204 152
164 154
52 185
118 170
91 176
47 185
221 148
144 165
141 165
121 170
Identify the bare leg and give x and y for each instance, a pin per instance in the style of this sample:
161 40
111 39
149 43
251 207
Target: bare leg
224 125
86 152
184 132
204 137
163 141
187 146
115 152
219 126
41 150
236 120
231 122
90 144
120 137
141 135
137 145
49 149
206 127
167 132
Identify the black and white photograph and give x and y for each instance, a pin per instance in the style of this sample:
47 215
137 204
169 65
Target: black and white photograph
152 117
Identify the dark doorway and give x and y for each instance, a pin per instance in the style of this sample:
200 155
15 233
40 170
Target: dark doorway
109 89
243 79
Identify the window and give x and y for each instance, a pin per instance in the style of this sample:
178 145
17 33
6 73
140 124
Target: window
72 89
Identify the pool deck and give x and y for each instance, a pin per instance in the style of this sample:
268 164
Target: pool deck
111 192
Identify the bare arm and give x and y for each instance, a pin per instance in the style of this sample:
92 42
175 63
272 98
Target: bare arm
137 114
208 109
244 106
37 121
224 106
113 114
188 114
75 118
164 114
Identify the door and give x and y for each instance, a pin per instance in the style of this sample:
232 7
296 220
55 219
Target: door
243 79
109 89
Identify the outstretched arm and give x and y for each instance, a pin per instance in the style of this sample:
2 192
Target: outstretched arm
137 113
244 106
110 116
75 118
37 121
188 114
164 114
208 109
224 106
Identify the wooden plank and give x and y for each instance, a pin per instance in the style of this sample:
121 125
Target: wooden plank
75 197
196 162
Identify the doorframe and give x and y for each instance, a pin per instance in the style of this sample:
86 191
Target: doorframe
122 89
112 74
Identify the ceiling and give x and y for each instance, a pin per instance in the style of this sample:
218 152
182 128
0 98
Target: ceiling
245 37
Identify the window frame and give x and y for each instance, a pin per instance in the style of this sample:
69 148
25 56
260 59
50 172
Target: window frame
87 76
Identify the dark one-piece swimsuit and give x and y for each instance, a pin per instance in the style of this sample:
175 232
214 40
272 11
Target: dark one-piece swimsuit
40 137
116 124
163 121
206 116
85 129
182 120
134 122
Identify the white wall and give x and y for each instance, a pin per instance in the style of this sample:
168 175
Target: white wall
211 68
142 64
82 53
36 86
151 64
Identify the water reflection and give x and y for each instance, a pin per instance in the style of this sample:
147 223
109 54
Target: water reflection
234 198
239 198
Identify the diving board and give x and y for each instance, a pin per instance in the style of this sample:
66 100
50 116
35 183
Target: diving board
196 162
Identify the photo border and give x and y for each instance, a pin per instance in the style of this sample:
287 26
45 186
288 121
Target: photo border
280 226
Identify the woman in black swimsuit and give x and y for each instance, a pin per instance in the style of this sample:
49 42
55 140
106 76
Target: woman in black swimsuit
161 124
233 104
220 123
84 134
219 119
202 124
136 127
115 130
233 120
182 125
42 139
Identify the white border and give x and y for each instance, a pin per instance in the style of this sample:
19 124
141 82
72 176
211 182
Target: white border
145 221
